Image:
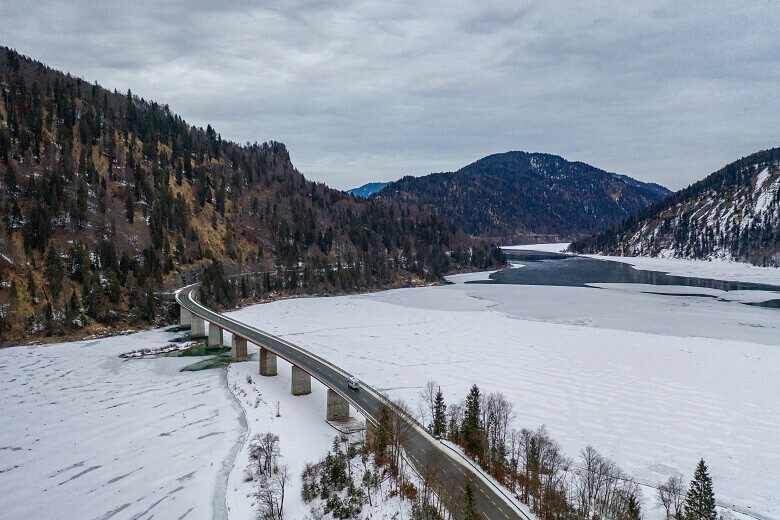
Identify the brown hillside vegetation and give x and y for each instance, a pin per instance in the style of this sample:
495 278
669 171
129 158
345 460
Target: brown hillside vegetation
107 199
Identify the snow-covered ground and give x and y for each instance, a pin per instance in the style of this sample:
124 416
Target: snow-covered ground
652 381
554 247
654 400
715 269
304 438
85 434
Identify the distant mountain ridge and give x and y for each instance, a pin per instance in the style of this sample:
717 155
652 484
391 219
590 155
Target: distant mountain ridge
518 197
367 190
733 214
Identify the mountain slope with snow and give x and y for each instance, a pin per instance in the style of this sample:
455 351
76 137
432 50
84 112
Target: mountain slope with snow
732 214
367 190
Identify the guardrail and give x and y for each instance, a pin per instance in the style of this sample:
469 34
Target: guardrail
381 398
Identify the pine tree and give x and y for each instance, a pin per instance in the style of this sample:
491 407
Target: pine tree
470 504
700 502
73 308
129 207
54 272
471 428
439 415
633 509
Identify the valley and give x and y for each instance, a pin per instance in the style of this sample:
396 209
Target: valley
605 367
576 316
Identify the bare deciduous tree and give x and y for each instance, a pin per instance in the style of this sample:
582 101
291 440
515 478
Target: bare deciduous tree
427 403
265 449
671 496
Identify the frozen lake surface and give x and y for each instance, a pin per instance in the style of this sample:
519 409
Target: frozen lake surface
654 381
85 434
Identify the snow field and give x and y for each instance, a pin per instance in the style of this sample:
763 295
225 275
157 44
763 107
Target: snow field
86 434
553 247
714 269
655 402
304 437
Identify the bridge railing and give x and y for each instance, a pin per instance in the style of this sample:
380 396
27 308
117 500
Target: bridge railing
188 293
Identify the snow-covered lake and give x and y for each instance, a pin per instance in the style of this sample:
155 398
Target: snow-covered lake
651 380
85 434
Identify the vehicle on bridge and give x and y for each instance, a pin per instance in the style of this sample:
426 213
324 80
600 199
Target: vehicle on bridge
353 383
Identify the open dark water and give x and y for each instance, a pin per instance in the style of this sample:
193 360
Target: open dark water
541 268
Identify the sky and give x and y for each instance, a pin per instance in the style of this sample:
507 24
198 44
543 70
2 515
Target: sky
371 91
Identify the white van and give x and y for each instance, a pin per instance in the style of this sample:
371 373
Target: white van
353 383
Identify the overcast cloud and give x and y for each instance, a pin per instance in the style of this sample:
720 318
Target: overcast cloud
366 91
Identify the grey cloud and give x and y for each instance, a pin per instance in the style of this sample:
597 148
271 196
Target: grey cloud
376 90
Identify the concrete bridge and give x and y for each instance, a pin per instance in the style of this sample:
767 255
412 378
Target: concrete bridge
422 449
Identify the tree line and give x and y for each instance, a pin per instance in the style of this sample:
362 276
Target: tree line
532 465
82 167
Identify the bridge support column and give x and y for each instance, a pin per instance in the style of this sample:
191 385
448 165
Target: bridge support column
267 362
197 327
215 336
301 382
338 407
370 434
185 317
238 348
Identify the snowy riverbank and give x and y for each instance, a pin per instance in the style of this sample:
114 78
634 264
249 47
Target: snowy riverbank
304 437
714 269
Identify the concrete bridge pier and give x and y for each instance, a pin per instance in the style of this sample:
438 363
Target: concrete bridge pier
301 382
238 348
215 336
338 407
185 317
371 431
197 327
267 362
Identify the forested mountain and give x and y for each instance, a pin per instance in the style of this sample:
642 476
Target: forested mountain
732 214
367 190
518 197
107 198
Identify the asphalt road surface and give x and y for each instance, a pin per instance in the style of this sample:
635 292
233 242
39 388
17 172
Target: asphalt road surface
427 454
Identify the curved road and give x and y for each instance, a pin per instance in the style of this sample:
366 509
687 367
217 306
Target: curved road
422 449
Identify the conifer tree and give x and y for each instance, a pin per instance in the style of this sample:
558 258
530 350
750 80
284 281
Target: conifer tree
700 502
633 509
439 415
129 207
471 428
470 504
54 271
73 308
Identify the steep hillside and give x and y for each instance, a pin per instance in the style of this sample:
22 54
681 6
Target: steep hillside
107 198
518 197
367 190
732 214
